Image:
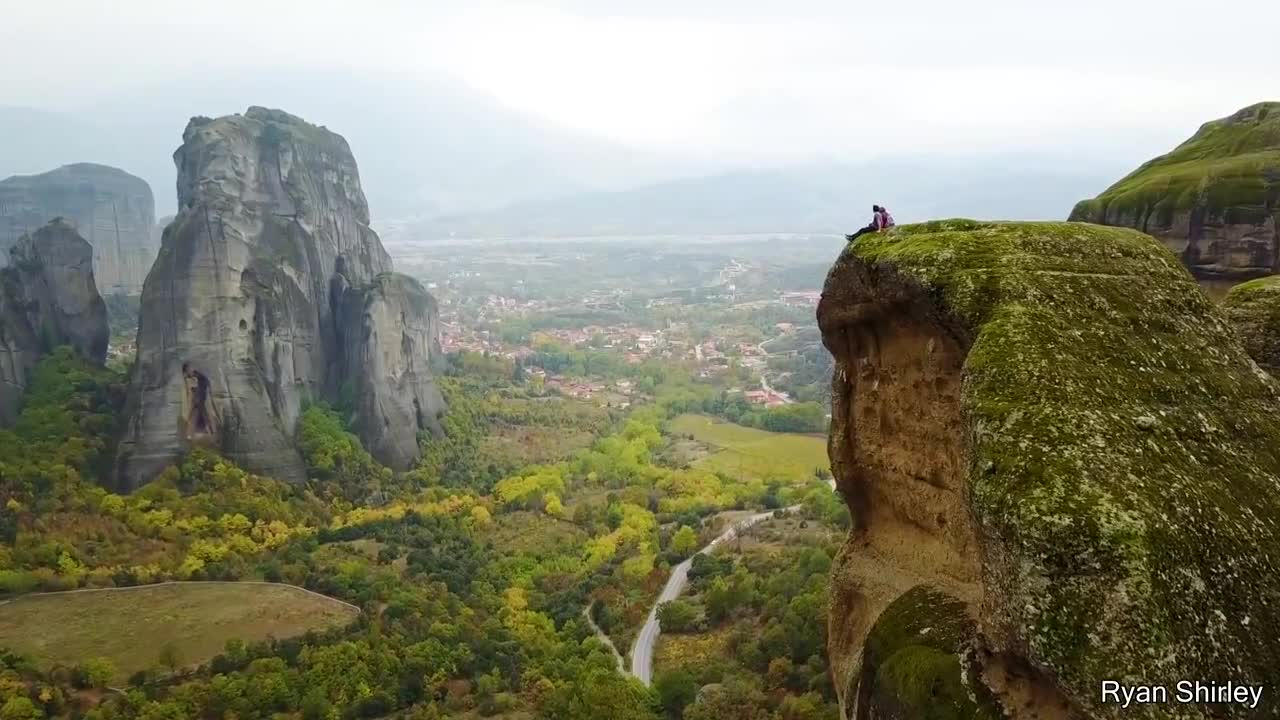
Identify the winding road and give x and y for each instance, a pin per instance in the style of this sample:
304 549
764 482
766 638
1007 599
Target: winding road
642 648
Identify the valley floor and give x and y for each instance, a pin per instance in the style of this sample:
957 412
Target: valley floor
131 626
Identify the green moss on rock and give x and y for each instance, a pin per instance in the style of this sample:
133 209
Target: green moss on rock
912 662
1228 163
1254 309
1125 476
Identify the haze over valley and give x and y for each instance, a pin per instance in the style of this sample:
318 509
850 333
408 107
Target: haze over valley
602 360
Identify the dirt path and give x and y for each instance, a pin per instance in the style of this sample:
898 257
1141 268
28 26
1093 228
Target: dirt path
617 656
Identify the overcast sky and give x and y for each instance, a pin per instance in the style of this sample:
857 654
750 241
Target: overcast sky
793 79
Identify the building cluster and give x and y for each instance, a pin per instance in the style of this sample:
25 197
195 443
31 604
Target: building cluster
617 394
802 298
769 398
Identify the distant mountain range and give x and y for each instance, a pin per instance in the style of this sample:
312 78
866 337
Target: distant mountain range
440 160
423 149
829 198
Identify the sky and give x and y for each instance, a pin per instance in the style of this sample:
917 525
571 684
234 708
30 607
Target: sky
773 81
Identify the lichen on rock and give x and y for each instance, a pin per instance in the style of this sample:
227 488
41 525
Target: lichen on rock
1066 394
1214 200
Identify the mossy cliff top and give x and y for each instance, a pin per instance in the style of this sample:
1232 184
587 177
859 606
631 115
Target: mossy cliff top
1254 309
1233 162
1124 475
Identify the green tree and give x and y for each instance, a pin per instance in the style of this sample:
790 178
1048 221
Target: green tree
676 689
677 616
806 707
170 657
20 708
684 541
780 669
735 699
97 672
601 691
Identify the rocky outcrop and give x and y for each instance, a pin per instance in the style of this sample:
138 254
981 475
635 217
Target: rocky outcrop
1214 200
270 291
391 336
1254 309
1063 468
47 298
110 208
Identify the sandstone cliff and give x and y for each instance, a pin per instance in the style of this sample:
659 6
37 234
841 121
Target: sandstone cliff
110 208
1214 200
47 298
243 314
1063 468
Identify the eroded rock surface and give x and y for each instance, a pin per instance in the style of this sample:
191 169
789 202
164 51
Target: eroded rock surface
391 337
110 208
1063 468
1214 200
48 298
243 315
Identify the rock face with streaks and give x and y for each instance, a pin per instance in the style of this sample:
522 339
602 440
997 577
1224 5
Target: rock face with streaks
1063 468
47 298
390 336
110 208
1214 200
271 290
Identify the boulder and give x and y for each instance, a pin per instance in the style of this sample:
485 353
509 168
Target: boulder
1214 200
1060 461
47 298
1254 309
242 319
110 208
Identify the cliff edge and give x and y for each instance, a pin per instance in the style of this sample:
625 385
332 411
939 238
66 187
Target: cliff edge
1214 200
1062 467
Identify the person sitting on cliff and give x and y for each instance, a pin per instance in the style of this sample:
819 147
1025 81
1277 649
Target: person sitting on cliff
886 220
878 219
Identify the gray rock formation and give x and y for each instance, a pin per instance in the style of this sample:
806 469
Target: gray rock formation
390 334
110 208
271 290
47 298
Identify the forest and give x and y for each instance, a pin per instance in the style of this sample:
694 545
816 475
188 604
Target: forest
471 571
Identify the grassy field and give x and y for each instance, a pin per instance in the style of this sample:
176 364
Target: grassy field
743 451
536 445
129 627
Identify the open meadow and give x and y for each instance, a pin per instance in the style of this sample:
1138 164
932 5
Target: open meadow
746 452
130 626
